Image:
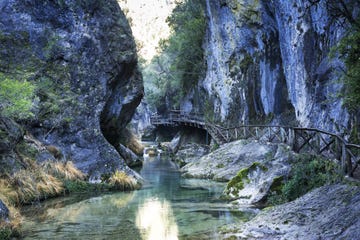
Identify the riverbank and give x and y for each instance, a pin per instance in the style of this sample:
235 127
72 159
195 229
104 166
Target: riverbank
303 188
49 179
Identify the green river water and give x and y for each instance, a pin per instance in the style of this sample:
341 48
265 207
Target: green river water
167 207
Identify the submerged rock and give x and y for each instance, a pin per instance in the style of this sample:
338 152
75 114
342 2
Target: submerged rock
329 212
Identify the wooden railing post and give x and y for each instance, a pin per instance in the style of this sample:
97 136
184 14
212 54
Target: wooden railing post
292 139
343 158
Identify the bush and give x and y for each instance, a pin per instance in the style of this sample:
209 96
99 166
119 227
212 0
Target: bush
307 173
16 98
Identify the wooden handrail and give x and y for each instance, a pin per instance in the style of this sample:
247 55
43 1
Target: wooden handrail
299 138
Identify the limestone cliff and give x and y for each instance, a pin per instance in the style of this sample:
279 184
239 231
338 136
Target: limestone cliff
82 57
270 59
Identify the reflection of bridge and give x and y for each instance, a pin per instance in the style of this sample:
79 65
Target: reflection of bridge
306 140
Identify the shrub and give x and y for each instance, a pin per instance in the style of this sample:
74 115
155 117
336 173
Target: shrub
16 98
307 173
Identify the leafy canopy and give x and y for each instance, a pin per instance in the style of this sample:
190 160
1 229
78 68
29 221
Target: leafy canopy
16 98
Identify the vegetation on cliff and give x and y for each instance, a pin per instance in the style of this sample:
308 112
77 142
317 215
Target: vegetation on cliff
179 65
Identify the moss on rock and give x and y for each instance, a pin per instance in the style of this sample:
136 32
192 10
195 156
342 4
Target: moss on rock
238 182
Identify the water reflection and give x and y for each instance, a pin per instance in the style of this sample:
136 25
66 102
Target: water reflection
156 221
167 207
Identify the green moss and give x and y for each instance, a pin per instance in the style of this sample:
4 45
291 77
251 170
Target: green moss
79 186
277 184
27 150
246 62
221 165
5 232
237 183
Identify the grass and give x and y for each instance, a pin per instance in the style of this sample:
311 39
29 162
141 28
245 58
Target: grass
63 170
35 183
50 179
121 181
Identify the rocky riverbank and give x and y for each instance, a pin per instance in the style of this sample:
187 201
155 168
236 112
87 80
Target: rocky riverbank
250 167
255 171
329 212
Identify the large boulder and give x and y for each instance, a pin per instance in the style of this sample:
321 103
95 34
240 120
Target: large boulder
82 57
329 212
251 169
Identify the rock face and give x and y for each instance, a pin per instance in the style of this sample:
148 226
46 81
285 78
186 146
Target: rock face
10 134
270 58
190 153
4 212
82 57
329 212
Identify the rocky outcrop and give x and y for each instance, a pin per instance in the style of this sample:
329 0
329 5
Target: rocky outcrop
251 169
270 60
10 135
190 153
329 212
82 57
4 212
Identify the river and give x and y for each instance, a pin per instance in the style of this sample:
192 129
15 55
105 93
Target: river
167 207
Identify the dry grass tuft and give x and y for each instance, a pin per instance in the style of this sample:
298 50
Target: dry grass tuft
121 181
8 195
35 184
66 170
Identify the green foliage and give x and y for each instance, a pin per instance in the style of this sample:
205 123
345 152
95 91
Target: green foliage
307 173
16 98
237 183
349 50
5 232
179 65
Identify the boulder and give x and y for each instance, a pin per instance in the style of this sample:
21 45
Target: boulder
251 168
329 212
129 156
190 153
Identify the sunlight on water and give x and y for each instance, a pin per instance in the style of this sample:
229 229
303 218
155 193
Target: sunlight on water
167 207
156 221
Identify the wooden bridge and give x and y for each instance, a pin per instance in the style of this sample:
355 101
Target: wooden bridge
301 140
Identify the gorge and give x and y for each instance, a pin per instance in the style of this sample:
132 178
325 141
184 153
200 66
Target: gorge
78 93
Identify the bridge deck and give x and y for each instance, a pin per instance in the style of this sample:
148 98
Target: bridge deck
309 140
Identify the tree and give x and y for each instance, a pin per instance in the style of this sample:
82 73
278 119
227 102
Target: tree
16 98
179 64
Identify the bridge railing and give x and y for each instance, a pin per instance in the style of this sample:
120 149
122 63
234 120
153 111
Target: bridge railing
301 140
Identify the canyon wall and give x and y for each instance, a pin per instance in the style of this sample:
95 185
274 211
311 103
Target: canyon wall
269 61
